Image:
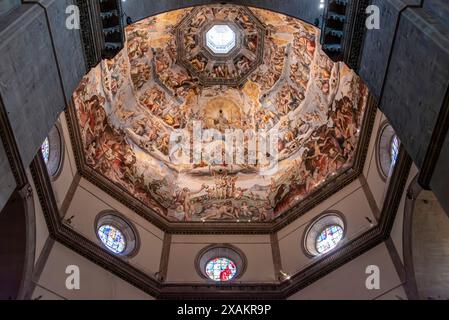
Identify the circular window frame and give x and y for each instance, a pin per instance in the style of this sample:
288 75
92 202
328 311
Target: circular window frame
128 230
56 152
384 140
220 251
316 227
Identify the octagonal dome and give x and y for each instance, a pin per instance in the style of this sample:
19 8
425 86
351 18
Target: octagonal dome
221 39
220 45
170 129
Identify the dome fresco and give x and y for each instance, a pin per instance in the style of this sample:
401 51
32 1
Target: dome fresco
160 120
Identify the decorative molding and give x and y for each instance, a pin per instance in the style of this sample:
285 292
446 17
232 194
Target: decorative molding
90 250
394 255
26 196
413 192
355 31
78 243
364 242
276 253
11 149
370 197
318 196
39 267
347 252
70 194
113 31
165 257
91 31
343 41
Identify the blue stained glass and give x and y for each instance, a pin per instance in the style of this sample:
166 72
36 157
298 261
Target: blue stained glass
221 269
329 238
45 149
112 238
394 150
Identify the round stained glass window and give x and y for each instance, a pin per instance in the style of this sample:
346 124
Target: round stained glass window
329 238
221 269
112 238
388 146
45 149
394 150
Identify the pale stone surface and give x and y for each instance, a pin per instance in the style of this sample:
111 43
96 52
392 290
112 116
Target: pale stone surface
431 248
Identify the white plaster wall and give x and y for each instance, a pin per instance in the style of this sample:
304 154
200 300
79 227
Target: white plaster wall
185 248
95 282
68 171
89 201
349 281
376 183
41 225
398 225
351 201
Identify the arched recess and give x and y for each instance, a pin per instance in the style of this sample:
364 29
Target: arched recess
425 245
17 245
306 10
413 192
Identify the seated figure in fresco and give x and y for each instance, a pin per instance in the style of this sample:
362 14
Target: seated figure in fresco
244 210
221 122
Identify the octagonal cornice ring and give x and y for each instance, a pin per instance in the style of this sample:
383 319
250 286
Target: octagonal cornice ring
210 68
223 57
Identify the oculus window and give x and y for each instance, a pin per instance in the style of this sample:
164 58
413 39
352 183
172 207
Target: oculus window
221 269
329 238
387 150
221 39
324 234
116 234
45 149
112 238
220 263
52 152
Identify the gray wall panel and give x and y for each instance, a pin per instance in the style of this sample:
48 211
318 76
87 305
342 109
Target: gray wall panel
307 10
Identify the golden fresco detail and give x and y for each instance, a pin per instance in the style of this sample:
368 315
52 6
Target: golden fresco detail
129 109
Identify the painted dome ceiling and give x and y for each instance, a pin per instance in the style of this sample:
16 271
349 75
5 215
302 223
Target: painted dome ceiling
156 121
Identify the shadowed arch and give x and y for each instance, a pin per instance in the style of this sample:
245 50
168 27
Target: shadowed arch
425 238
17 223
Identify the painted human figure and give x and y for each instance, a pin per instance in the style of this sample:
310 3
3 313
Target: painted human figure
221 211
184 197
